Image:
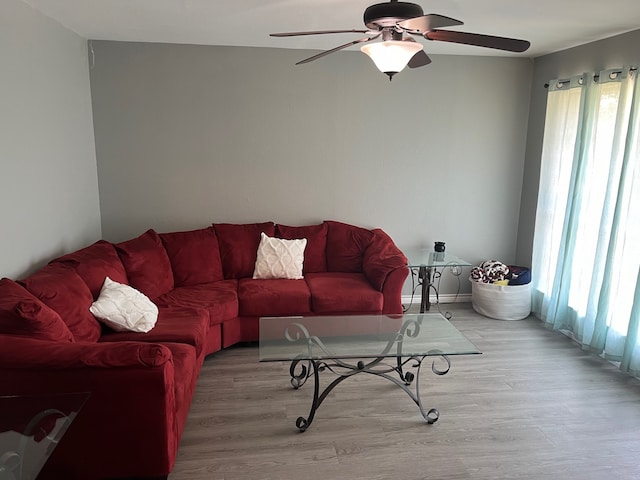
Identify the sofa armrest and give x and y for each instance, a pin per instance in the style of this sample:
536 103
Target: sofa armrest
127 427
26 353
385 266
392 291
382 257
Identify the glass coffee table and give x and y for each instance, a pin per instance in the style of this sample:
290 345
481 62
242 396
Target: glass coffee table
387 346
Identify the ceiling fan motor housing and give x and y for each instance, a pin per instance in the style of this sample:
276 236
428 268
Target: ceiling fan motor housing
383 15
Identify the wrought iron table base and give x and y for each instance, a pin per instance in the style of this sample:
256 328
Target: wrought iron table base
377 367
426 277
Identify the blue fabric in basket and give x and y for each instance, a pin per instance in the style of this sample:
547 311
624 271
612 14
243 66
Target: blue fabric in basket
519 275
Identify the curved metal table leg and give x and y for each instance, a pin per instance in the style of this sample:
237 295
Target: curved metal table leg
299 379
301 422
431 416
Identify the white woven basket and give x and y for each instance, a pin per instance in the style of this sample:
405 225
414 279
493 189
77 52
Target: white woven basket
502 302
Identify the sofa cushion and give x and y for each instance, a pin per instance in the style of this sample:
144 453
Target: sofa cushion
381 258
343 293
24 315
279 258
219 298
123 308
194 256
346 245
179 325
273 297
61 288
95 263
147 264
239 246
315 254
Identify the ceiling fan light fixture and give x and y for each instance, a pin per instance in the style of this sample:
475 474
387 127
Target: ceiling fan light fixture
391 56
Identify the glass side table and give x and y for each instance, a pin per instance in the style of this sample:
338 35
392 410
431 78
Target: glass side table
31 427
426 263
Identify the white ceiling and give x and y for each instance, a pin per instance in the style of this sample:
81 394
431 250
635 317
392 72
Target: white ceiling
550 25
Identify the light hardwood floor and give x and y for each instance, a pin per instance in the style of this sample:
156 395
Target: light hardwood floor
533 406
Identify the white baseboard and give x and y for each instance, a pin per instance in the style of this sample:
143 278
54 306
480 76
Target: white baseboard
444 298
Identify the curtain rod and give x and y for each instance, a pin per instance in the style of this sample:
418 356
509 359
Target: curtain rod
595 76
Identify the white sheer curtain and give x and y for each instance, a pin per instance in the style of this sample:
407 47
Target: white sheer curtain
586 254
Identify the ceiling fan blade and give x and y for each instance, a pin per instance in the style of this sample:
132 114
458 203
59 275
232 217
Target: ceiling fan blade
488 41
426 23
319 32
420 59
327 52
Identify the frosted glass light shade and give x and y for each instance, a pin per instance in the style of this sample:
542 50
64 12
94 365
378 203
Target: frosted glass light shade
391 56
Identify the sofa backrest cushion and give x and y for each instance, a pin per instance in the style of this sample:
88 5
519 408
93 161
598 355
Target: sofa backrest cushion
95 263
24 315
147 264
315 253
194 256
239 246
61 288
381 258
346 245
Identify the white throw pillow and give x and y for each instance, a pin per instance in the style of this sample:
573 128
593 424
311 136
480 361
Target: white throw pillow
124 308
279 258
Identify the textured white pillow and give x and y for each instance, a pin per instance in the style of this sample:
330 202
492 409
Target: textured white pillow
279 258
124 308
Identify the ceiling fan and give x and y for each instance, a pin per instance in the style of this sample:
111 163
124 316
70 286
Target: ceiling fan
392 21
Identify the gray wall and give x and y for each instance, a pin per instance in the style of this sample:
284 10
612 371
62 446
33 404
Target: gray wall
188 135
48 177
610 53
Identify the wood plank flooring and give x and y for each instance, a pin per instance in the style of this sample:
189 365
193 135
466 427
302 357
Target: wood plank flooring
533 406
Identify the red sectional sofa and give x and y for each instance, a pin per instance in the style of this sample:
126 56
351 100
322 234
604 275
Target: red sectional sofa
141 384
